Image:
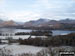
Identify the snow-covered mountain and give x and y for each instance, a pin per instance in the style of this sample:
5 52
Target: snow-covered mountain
69 21
37 22
8 23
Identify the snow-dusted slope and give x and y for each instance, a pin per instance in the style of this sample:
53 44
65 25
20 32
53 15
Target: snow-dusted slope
21 49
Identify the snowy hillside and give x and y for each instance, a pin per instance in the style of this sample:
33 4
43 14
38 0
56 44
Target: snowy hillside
20 49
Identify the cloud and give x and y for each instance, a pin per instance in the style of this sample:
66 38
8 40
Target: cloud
61 9
53 9
20 16
2 2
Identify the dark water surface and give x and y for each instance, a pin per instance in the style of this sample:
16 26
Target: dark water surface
55 32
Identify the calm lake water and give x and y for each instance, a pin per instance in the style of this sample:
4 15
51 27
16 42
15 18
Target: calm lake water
55 32
62 32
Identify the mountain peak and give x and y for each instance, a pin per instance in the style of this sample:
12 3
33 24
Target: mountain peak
43 19
9 23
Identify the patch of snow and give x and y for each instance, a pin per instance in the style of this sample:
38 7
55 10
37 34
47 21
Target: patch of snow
20 49
21 36
2 46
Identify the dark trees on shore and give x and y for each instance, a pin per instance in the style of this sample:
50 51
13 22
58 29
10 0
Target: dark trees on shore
36 33
67 40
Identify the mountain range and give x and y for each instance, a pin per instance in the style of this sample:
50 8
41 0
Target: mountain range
38 23
50 23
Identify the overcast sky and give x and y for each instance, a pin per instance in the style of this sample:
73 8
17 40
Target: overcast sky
25 10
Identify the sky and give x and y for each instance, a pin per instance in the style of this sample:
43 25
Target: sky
25 10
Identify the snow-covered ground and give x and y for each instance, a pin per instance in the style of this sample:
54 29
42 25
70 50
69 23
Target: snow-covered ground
21 36
16 36
20 49
2 46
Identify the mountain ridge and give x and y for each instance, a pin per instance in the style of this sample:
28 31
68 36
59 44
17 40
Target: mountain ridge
42 22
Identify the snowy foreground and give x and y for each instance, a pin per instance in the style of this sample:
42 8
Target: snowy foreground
16 50
26 50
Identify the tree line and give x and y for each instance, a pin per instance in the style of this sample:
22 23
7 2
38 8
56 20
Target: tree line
61 40
36 33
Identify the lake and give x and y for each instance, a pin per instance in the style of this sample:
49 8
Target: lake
62 32
55 32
